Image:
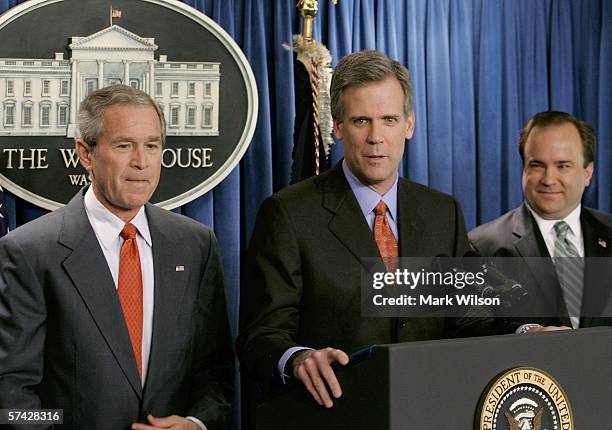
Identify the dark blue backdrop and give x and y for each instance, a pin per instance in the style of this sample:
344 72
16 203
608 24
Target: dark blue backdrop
480 69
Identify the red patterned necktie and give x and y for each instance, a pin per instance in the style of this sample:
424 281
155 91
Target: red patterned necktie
385 240
130 290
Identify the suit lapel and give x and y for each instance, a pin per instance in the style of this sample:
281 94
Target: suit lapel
87 268
351 229
411 223
598 270
357 236
529 244
168 294
347 222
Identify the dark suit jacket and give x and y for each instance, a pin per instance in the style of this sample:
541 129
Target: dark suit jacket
301 275
63 340
516 234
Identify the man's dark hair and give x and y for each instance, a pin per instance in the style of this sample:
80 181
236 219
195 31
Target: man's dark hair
549 118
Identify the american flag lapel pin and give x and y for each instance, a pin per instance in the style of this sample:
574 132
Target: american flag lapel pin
180 268
602 243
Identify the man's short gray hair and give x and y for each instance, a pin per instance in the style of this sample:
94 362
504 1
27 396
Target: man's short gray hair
90 122
360 68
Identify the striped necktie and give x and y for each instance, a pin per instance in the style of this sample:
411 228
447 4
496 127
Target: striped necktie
570 272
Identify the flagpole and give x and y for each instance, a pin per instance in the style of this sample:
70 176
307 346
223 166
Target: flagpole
308 9
317 62
110 15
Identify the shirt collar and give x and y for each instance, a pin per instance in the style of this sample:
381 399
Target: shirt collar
368 198
108 226
547 225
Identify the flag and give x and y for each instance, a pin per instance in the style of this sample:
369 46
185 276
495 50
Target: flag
303 153
313 125
3 216
113 13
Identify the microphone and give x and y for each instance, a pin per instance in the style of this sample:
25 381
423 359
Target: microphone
496 284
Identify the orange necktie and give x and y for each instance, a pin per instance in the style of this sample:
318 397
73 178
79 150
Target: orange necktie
130 290
383 235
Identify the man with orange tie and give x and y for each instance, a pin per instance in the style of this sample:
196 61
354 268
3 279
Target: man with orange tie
111 308
300 296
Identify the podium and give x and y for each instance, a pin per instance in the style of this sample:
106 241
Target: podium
438 384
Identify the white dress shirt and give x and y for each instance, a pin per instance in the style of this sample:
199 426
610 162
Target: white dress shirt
107 227
574 234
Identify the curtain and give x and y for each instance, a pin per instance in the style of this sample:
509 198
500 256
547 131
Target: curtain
480 69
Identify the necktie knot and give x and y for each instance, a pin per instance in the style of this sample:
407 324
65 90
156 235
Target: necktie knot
380 209
129 231
561 229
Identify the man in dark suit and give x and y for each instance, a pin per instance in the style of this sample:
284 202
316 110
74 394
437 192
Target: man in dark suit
558 153
300 296
111 308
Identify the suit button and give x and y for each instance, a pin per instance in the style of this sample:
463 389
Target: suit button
402 324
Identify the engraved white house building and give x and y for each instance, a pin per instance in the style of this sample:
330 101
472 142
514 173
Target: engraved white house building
41 96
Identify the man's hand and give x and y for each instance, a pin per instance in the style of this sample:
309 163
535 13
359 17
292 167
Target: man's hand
173 422
547 328
313 368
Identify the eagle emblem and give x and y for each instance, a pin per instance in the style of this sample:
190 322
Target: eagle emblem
524 419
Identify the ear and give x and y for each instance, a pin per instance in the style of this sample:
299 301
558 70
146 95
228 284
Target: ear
84 152
589 174
410 126
338 129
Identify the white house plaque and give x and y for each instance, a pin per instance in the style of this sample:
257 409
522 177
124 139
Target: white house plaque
55 52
